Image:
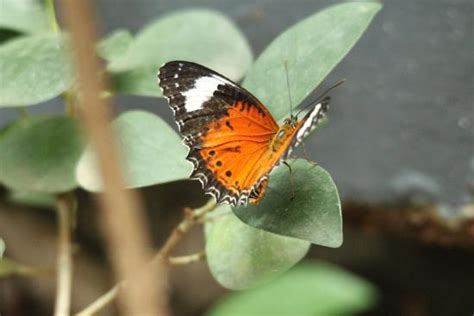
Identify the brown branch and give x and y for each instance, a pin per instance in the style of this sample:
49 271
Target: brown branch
64 208
191 218
122 214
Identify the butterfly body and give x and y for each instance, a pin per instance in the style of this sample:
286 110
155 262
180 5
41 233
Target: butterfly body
234 142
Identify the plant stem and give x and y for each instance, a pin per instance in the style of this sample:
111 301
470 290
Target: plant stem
102 301
64 208
29 271
123 222
184 260
191 218
68 95
51 10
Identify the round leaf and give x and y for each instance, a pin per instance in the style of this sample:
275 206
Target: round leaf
314 214
33 69
311 48
201 36
40 154
306 290
152 153
240 256
140 81
115 45
26 16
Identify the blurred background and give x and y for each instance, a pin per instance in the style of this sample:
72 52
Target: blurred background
399 145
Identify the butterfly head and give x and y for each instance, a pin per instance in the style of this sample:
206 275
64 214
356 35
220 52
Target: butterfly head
291 121
285 132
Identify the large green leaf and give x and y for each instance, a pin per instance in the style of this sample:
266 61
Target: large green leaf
311 48
115 45
33 69
306 290
40 154
314 214
240 256
26 16
202 36
152 153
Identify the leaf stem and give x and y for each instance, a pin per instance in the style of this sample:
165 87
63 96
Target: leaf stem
68 95
51 10
64 207
191 218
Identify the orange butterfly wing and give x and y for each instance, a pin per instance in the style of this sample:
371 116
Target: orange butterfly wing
233 140
227 130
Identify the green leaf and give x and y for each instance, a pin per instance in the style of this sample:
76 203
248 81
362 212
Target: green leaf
240 256
201 36
311 48
37 199
27 16
40 154
306 290
140 81
152 153
2 248
115 45
313 215
34 69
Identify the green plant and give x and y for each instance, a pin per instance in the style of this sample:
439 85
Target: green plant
47 156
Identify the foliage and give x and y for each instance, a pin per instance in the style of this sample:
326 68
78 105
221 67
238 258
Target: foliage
33 69
246 246
314 288
240 256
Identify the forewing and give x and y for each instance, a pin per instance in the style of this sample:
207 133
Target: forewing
224 126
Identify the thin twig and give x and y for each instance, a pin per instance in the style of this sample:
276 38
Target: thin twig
122 214
184 260
64 205
33 271
102 301
191 218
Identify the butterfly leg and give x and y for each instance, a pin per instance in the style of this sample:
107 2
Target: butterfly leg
292 180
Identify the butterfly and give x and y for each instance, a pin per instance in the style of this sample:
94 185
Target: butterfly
234 142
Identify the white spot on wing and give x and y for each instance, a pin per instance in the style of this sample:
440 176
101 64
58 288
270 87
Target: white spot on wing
309 123
202 91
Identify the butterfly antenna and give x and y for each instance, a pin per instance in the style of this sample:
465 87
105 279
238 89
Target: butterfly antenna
288 87
320 97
